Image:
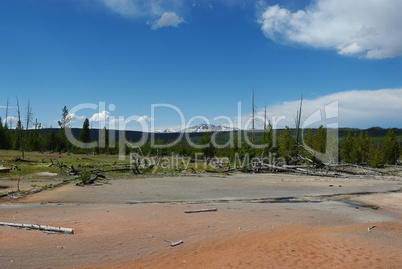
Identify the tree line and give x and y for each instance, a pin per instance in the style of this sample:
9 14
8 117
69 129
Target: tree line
273 146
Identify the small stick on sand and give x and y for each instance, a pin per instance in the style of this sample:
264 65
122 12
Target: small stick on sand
201 210
173 244
39 227
369 229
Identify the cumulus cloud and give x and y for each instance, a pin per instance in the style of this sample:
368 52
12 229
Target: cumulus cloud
144 118
74 117
358 108
368 28
12 119
167 19
100 117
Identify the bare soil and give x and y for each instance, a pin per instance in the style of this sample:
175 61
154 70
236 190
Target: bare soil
124 224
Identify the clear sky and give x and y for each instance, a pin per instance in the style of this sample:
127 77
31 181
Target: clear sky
143 63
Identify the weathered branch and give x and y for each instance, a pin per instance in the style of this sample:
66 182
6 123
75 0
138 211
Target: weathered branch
39 227
201 210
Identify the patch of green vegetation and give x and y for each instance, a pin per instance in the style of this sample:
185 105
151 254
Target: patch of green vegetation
84 177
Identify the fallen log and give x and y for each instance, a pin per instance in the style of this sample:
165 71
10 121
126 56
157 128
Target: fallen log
173 244
201 210
110 170
39 227
4 170
18 159
216 172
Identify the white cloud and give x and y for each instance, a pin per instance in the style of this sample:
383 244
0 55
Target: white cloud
166 10
144 118
9 107
73 117
350 49
100 117
144 8
124 7
167 19
357 109
371 28
12 119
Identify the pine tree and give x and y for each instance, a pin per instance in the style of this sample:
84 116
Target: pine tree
347 149
320 140
85 135
377 159
208 148
366 145
62 142
267 139
2 134
50 140
7 137
331 146
286 144
362 149
17 141
309 138
65 118
234 148
390 148
104 142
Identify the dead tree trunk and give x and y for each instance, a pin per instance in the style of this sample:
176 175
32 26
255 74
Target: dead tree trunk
39 227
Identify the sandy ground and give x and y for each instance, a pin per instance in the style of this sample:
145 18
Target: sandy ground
32 182
238 187
125 225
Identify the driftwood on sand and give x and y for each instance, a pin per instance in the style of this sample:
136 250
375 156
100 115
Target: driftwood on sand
173 244
201 210
39 227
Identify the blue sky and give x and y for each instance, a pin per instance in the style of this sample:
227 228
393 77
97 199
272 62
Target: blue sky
115 61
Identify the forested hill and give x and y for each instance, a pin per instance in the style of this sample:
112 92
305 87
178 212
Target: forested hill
374 146
376 133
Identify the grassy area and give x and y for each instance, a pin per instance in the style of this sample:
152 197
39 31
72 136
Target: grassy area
36 172
39 171
35 162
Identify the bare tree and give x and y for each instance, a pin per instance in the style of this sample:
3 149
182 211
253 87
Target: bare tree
7 112
29 115
20 129
37 124
253 117
298 120
265 117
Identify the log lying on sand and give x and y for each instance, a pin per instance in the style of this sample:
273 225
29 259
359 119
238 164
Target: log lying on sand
173 244
201 210
39 227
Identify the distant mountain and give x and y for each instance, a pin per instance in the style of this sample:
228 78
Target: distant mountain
170 130
201 128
